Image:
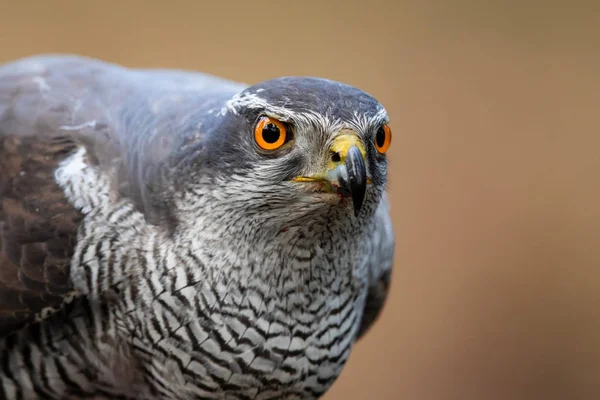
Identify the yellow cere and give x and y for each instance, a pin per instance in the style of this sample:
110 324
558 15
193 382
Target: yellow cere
342 144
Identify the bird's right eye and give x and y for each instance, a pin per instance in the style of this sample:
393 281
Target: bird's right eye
383 139
271 134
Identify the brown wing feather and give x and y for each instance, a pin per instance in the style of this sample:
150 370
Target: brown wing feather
37 229
38 226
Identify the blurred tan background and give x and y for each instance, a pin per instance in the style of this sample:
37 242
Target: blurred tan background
495 165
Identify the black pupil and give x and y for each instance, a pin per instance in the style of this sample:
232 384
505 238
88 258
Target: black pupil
380 137
271 133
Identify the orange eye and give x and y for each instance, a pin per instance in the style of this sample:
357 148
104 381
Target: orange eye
270 134
383 139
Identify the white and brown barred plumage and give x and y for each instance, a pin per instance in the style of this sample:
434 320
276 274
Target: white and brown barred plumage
150 250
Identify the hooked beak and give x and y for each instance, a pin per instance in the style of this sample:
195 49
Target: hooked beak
352 177
346 172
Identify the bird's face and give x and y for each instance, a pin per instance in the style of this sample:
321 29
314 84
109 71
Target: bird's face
298 148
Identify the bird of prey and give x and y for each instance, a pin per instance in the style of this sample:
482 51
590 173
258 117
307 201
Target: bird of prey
168 234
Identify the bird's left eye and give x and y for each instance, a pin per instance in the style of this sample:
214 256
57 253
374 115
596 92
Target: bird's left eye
271 134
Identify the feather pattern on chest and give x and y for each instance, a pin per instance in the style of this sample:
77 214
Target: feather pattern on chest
229 313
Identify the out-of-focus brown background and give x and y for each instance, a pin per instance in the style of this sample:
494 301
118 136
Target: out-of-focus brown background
495 165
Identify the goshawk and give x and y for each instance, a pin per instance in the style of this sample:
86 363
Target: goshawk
169 234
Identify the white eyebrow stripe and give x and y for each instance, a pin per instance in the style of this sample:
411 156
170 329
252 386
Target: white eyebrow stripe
252 101
360 122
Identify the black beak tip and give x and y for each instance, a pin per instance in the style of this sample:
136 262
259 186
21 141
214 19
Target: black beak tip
356 210
357 178
357 202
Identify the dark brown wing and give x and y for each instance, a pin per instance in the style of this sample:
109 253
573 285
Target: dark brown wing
37 229
38 226
49 106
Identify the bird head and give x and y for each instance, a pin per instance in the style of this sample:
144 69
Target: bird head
297 149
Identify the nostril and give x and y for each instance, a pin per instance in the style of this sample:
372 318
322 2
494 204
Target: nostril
335 157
